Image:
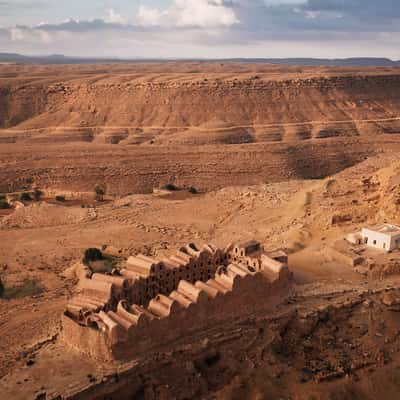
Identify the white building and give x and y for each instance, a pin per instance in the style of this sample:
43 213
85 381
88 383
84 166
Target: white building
383 236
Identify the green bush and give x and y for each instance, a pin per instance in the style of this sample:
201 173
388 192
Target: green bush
4 204
171 187
25 196
92 254
99 191
37 194
60 198
29 287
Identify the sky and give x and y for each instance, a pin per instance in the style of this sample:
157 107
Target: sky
202 28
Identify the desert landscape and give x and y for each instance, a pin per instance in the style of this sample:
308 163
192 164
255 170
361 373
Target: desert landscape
109 170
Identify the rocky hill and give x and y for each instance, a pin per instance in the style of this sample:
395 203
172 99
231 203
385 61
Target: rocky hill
194 124
197 104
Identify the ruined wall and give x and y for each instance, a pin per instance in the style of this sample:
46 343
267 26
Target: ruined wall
247 295
87 341
141 278
245 281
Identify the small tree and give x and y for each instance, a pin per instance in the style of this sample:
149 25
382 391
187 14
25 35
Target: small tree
25 196
92 254
99 191
37 194
171 187
4 205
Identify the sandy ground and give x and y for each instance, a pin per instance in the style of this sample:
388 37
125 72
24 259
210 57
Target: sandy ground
42 240
285 176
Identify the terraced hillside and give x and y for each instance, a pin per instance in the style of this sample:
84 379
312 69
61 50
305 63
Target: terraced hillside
195 103
133 127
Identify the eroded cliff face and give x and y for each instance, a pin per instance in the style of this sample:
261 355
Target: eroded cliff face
207 126
20 104
229 110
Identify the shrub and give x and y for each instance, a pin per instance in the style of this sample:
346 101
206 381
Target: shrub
92 254
29 287
25 196
171 187
99 191
1 288
60 198
4 205
37 194
193 190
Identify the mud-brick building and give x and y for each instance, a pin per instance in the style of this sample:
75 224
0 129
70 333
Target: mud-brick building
152 302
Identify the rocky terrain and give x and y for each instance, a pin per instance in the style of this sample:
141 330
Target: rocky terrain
205 125
238 143
139 169
191 104
41 241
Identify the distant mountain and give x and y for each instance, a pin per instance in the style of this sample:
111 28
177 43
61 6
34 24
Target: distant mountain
51 59
61 59
11 57
355 61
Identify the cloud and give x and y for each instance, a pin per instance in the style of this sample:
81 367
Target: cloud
21 4
189 13
316 19
115 18
204 13
359 8
363 12
148 16
225 28
22 34
74 25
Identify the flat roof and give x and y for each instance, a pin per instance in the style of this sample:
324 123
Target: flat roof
388 229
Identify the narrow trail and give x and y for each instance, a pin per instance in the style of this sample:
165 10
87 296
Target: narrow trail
286 124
